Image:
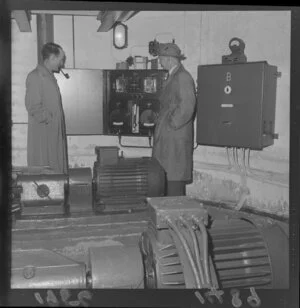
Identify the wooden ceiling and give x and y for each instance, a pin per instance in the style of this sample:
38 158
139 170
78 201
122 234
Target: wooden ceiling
107 19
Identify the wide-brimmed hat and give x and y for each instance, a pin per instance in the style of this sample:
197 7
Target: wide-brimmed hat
170 50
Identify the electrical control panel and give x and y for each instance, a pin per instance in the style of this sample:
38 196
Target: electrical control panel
236 105
131 101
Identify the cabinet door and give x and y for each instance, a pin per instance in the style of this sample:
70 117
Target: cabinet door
230 105
82 98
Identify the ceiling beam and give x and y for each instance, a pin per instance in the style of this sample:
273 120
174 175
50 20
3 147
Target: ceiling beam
45 32
110 18
100 15
23 20
65 12
126 15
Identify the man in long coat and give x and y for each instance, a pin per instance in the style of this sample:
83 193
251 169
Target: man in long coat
47 141
173 136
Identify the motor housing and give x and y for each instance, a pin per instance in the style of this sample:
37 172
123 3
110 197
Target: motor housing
47 194
125 183
42 268
43 194
187 246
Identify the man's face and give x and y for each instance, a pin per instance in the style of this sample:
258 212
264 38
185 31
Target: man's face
164 62
58 62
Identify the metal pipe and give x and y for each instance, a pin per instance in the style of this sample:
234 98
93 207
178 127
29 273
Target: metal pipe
206 263
237 159
248 165
73 40
229 161
196 249
174 228
244 161
205 251
233 155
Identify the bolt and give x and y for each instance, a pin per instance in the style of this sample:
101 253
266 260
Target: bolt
29 272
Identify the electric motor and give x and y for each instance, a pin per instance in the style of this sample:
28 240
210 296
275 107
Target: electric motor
185 246
126 183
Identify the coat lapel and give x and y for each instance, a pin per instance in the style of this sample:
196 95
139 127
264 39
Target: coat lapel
171 76
49 75
44 71
164 107
165 90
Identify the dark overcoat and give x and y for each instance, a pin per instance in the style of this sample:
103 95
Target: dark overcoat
46 140
173 135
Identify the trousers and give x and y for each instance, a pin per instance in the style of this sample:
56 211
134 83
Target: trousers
176 188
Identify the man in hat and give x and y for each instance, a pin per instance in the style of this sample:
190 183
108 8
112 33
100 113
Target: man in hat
47 140
173 136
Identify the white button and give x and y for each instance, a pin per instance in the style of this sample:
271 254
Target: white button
227 89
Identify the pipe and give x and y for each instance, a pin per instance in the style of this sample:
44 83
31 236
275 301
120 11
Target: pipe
205 246
65 74
229 161
244 161
237 159
234 159
196 249
73 40
174 228
206 263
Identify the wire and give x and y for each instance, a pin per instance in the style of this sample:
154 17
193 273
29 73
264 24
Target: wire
234 158
244 161
237 160
239 164
248 163
204 234
196 249
243 173
229 161
174 228
249 159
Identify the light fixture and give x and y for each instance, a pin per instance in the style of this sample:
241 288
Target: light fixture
120 36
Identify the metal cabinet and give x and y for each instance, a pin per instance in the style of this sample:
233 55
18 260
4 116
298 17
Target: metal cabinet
111 102
236 105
